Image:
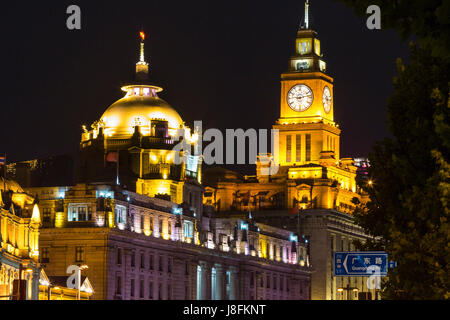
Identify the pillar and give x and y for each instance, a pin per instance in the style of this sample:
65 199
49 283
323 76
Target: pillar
205 281
179 279
234 284
220 282
35 284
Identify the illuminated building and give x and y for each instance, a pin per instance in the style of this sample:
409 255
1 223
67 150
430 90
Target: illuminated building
138 247
19 243
312 178
136 218
132 145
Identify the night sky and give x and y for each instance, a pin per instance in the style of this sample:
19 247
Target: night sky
218 61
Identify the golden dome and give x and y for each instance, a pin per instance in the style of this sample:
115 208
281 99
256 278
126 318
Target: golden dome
139 107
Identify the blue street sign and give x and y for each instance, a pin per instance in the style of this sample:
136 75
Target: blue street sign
361 264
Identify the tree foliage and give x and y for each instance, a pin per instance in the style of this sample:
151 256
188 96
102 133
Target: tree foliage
408 210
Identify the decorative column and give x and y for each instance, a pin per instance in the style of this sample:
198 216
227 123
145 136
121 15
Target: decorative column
220 283
234 284
205 281
179 281
35 284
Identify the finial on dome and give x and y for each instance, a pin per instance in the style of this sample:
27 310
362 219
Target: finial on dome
142 66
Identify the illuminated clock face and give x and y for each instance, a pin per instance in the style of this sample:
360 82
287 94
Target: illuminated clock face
326 99
300 97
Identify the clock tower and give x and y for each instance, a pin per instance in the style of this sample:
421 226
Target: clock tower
306 124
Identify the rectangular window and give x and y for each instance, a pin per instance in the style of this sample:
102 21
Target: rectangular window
169 291
304 46
281 283
45 256
188 229
142 223
142 260
118 285
132 288
151 262
268 281
121 214
133 258
79 254
150 290
275 282
169 227
119 256
46 215
288 148
151 223
160 264
169 265
186 269
308 147
298 147
160 225
141 288
79 212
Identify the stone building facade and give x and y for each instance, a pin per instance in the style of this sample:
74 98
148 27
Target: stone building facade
303 186
138 247
19 243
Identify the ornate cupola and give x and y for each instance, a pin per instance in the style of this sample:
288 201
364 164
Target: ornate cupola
308 56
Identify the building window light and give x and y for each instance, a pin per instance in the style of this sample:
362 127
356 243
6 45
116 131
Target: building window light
177 211
105 194
146 91
136 91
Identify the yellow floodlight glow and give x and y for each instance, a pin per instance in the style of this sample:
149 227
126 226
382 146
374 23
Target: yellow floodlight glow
36 216
111 121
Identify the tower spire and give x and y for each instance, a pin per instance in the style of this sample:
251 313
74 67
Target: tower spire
142 66
307 14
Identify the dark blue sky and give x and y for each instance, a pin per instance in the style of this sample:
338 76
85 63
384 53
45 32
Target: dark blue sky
218 61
